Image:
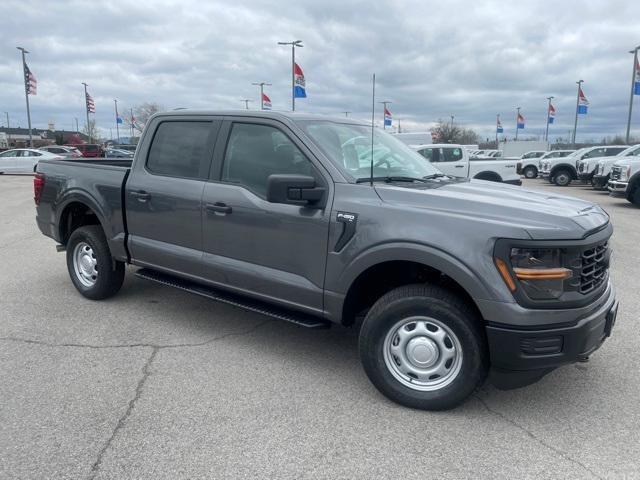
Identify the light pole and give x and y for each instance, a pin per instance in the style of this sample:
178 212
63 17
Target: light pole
261 85
452 117
497 123
546 133
246 103
77 129
117 118
8 127
26 92
86 110
294 44
384 112
575 122
517 120
346 114
633 81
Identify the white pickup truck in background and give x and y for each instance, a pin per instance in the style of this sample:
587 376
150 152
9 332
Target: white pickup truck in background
602 171
453 160
625 179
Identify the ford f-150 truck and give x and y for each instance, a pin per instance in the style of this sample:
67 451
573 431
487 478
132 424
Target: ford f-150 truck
586 167
318 220
454 160
625 179
602 171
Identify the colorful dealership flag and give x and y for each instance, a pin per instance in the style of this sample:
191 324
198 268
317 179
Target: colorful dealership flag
583 103
499 128
119 120
636 84
520 121
552 113
266 102
298 82
387 117
30 81
91 106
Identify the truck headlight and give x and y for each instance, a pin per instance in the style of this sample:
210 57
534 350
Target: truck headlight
538 271
625 173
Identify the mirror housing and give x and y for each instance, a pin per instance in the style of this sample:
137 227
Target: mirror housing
295 190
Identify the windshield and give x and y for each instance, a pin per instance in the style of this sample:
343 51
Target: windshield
348 146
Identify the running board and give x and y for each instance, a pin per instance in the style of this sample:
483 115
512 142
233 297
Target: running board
301 319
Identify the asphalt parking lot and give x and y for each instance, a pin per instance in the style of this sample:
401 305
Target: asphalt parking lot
156 383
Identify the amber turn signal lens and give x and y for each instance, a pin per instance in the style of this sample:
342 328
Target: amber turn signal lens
506 276
542 273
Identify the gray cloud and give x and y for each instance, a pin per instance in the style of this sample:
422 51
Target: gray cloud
470 59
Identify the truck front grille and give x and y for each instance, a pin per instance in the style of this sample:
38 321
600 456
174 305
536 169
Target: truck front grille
582 167
615 173
595 267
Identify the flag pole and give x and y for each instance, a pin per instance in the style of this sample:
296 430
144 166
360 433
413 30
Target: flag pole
26 92
575 122
131 123
517 120
293 77
633 81
384 113
86 108
117 127
497 123
546 135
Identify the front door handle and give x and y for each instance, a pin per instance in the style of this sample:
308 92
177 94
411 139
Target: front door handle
218 207
459 166
141 195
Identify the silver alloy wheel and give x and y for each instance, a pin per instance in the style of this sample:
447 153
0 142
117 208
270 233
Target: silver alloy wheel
530 172
85 264
422 353
562 179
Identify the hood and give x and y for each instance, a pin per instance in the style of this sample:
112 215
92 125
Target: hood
541 215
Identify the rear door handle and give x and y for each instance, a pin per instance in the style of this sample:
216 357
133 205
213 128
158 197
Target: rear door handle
218 207
141 195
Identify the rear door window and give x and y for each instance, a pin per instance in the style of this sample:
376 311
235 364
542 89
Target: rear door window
182 149
451 154
431 154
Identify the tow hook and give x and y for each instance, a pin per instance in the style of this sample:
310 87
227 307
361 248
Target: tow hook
61 248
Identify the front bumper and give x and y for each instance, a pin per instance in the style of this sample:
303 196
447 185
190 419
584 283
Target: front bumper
521 356
616 187
585 176
600 181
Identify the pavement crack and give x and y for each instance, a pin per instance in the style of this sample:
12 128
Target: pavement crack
123 419
137 345
535 438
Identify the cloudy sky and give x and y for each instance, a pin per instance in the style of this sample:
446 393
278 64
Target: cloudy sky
431 59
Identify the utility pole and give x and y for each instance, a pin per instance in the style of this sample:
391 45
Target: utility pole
384 110
117 118
8 127
294 44
26 92
517 119
77 129
86 109
546 133
633 82
575 123
246 103
261 85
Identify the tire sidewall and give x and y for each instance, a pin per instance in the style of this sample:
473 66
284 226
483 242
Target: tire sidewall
472 371
532 171
561 174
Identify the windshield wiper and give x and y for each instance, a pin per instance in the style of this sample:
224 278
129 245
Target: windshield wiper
434 175
390 179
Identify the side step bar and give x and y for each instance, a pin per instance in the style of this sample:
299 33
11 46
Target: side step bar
239 301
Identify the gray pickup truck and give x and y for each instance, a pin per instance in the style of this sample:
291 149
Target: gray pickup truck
318 220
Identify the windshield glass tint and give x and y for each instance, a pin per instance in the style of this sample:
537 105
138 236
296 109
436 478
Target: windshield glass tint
349 147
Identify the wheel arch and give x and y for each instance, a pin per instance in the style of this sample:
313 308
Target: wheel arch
489 176
564 166
76 209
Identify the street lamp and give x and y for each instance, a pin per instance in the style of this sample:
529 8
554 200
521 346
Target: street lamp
246 103
546 134
517 120
26 91
261 85
575 123
294 44
384 112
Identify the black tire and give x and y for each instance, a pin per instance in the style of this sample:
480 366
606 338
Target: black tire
530 172
109 273
436 303
634 197
562 178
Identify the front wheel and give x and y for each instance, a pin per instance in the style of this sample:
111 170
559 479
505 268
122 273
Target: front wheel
423 347
530 172
562 178
92 269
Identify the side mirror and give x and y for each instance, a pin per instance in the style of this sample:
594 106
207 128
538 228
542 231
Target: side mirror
295 190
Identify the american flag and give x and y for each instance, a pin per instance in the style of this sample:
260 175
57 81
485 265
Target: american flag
91 107
30 81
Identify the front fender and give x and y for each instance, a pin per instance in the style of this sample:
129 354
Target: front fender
564 166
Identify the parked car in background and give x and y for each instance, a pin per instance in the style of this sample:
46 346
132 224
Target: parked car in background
454 160
128 148
118 153
625 179
543 161
67 152
586 166
529 162
24 160
90 150
602 171
562 171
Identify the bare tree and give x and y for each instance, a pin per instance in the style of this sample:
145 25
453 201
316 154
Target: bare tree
143 111
446 132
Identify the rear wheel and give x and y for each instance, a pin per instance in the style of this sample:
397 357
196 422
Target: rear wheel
92 269
423 347
530 172
562 178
